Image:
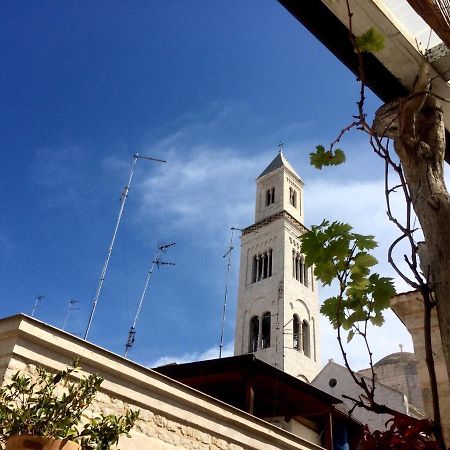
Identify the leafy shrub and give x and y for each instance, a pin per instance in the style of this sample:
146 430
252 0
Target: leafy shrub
53 405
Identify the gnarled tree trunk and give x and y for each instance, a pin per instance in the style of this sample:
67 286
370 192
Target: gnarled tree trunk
420 146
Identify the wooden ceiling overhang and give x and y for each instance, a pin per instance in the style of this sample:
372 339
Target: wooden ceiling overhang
249 384
389 74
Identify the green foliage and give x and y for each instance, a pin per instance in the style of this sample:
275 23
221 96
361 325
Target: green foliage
322 157
52 405
103 431
338 253
371 41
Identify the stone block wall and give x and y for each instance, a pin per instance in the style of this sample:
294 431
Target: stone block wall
173 416
409 309
401 374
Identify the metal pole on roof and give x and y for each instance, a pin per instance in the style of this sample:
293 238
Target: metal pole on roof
36 304
156 261
123 200
70 308
227 254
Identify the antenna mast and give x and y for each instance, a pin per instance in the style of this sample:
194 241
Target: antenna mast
227 254
36 304
70 308
123 200
157 261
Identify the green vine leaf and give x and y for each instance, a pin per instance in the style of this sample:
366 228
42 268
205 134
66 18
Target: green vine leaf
371 41
322 157
350 336
337 253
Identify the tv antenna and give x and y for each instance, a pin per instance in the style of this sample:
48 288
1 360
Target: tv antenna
228 256
156 262
71 307
123 199
37 303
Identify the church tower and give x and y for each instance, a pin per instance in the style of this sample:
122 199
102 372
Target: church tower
278 308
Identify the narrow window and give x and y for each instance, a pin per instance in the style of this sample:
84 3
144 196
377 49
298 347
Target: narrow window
262 266
254 334
265 330
254 269
301 277
265 265
296 332
293 263
292 197
270 196
269 263
306 347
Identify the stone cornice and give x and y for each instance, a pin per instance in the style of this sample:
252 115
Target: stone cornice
283 214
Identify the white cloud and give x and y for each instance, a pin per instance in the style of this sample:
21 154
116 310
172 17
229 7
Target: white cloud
210 188
382 340
362 205
210 353
207 187
205 175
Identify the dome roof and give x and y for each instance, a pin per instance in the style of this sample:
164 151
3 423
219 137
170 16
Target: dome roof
395 358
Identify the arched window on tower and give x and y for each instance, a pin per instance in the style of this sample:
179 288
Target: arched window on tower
254 334
296 262
270 196
269 263
299 269
293 263
296 332
262 266
306 345
265 330
292 197
265 267
302 270
254 268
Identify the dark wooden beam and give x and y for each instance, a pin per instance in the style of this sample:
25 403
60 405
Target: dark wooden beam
331 32
249 396
315 16
329 431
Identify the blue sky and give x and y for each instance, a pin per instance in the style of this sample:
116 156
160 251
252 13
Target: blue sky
209 86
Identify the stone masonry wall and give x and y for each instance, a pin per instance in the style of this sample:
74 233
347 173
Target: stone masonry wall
409 308
173 416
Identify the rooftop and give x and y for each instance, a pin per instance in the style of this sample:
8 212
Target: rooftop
394 358
279 161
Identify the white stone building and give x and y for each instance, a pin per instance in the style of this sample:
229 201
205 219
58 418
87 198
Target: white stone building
278 310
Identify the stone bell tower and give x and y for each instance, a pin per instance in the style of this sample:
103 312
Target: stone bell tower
278 308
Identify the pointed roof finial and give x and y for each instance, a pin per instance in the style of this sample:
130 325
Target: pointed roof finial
279 161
